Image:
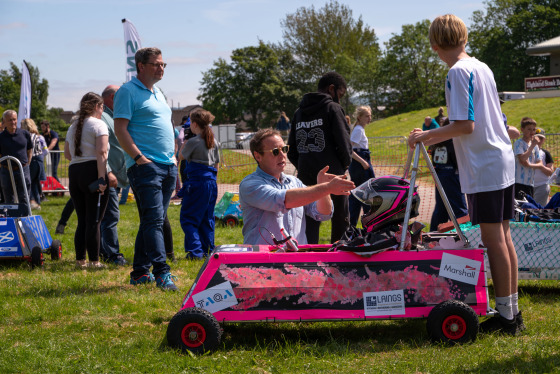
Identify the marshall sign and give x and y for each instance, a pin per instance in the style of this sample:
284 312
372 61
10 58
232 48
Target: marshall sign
542 83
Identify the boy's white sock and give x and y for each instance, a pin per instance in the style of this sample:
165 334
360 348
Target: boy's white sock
515 304
503 305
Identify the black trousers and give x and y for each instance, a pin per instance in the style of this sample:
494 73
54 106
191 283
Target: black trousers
87 235
340 221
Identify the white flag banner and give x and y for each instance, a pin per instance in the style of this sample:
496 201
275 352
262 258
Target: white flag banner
132 44
25 95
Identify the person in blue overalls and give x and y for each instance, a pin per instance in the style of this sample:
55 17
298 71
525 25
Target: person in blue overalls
199 190
360 168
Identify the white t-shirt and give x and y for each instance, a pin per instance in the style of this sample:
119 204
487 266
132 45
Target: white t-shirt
92 128
525 175
484 157
540 177
358 137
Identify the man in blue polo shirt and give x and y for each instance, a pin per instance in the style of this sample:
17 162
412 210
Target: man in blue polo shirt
17 143
144 130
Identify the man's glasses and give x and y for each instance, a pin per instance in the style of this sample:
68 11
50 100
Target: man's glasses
157 65
276 151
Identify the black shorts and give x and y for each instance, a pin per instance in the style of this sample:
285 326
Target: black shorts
492 206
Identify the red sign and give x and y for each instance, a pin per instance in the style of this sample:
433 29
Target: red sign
542 83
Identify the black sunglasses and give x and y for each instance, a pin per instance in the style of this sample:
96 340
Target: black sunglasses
276 151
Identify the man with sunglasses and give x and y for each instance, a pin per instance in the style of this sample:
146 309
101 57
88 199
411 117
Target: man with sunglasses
319 137
272 200
144 130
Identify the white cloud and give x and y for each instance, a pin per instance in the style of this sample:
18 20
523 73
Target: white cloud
105 42
13 26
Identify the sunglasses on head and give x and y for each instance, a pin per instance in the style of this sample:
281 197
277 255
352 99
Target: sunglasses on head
276 151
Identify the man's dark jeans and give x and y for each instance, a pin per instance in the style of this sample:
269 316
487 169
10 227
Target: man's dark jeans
55 159
153 184
109 248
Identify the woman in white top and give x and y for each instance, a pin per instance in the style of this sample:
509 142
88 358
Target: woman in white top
360 168
87 146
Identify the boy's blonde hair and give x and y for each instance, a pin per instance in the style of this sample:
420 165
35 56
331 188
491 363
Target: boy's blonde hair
448 32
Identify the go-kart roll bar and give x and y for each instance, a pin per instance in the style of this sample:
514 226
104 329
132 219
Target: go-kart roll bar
420 148
11 159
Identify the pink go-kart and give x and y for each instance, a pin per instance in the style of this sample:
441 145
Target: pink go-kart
438 278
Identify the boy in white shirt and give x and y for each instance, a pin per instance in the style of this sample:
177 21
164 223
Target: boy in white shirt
484 157
527 159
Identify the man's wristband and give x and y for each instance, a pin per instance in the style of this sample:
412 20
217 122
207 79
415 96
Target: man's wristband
138 156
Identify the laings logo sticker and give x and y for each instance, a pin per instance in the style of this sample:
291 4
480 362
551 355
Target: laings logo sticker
384 303
459 268
216 298
6 236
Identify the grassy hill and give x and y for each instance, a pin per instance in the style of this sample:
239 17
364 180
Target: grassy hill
545 111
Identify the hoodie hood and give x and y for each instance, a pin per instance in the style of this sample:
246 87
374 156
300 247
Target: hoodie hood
314 102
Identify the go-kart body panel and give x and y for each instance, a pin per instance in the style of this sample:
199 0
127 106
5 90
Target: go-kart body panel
253 283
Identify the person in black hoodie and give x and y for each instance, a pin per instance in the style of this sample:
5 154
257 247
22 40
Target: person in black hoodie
319 137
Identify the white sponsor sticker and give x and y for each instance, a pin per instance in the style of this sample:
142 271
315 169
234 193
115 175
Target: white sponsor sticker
216 298
3 223
384 303
459 268
8 249
234 248
6 236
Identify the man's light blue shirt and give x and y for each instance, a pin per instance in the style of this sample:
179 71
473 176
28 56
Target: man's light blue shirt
149 119
262 199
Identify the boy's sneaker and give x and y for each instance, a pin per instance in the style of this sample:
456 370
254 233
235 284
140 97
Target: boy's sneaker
499 323
165 282
59 229
143 279
519 322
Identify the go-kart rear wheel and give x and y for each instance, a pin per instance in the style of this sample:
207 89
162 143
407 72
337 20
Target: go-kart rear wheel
230 220
36 257
56 250
452 322
195 330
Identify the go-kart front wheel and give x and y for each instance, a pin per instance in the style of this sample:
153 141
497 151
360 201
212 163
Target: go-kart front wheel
452 322
36 257
195 330
56 250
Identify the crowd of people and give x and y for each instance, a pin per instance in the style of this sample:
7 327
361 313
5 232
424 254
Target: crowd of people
124 138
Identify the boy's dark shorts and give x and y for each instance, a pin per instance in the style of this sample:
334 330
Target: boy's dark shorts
492 206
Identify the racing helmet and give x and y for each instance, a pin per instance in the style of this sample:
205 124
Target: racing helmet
387 198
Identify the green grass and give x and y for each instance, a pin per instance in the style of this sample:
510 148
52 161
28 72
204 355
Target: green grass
544 111
62 320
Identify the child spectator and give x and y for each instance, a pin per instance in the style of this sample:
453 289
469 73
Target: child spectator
360 168
484 157
527 158
200 190
445 165
542 188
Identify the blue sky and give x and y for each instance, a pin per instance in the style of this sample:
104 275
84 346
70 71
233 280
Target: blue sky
78 46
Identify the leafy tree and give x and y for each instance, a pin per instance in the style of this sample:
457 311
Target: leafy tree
413 75
329 39
10 87
252 84
500 35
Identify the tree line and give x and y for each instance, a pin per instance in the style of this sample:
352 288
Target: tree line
263 80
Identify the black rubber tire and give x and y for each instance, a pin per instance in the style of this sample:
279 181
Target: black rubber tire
230 220
452 322
56 250
36 257
195 330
